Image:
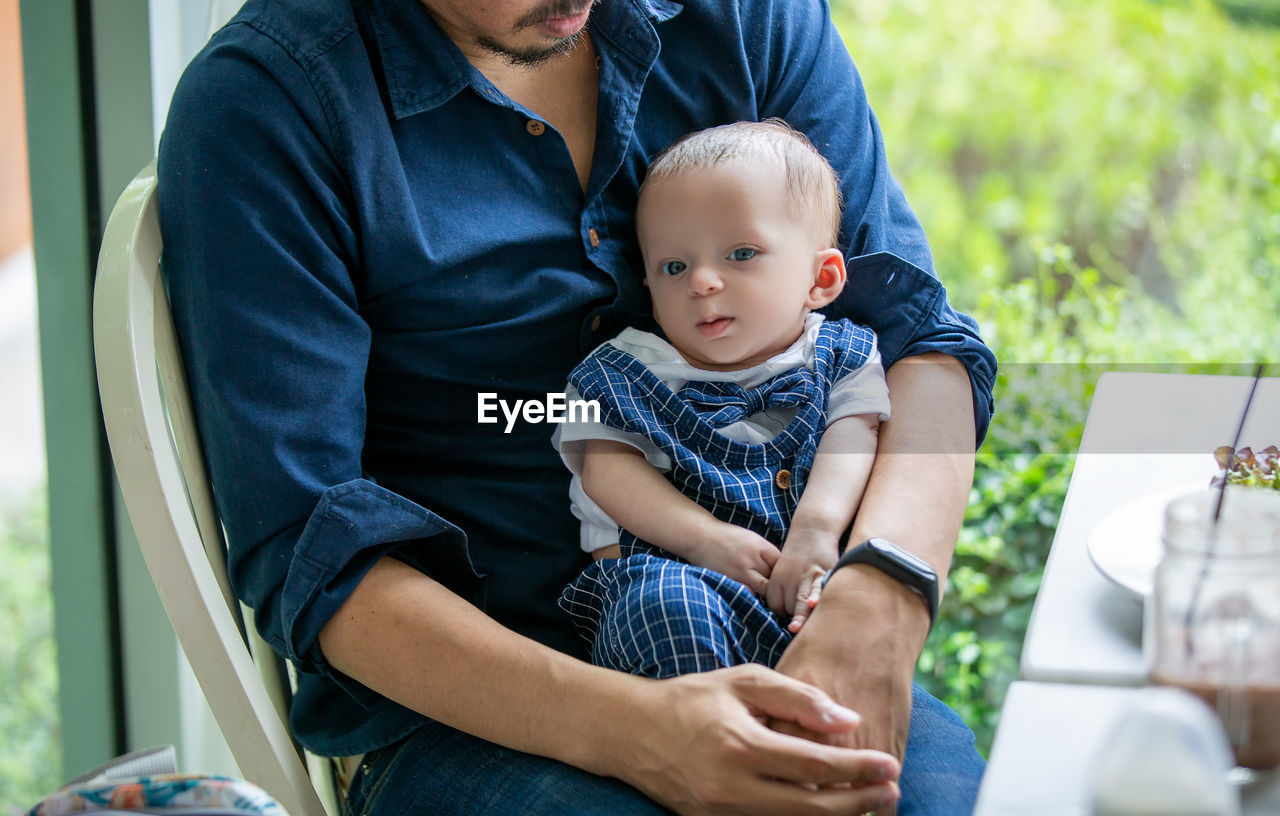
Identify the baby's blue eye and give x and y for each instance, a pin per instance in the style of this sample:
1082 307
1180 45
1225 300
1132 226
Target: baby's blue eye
674 268
743 254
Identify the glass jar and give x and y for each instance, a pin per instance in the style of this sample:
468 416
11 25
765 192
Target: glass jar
1213 620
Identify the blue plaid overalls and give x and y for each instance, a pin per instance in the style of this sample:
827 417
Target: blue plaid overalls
650 613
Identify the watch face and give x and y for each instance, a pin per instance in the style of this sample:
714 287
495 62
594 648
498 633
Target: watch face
895 553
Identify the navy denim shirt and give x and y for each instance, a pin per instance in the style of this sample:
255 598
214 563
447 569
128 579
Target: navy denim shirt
362 234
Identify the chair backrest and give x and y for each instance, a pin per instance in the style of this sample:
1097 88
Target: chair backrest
160 467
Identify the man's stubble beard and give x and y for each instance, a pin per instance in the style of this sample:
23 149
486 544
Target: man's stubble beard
536 57
531 57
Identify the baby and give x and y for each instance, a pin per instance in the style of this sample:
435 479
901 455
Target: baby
738 447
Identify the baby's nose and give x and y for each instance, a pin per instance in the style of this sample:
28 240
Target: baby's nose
704 279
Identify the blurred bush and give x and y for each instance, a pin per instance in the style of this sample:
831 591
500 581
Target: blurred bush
1100 181
1265 12
30 755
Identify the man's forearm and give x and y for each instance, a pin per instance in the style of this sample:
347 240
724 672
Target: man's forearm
923 471
414 641
916 497
920 481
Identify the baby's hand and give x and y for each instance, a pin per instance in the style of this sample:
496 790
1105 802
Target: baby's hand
806 599
744 556
796 582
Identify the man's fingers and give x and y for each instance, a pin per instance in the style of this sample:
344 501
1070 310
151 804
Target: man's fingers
730 761
786 798
802 762
780 697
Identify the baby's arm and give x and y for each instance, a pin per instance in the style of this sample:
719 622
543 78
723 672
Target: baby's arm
641 500
825 510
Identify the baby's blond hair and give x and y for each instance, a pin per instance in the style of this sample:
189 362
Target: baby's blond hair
813 190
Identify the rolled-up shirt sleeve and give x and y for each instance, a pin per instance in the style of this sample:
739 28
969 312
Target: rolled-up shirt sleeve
260 260
353 525
804 74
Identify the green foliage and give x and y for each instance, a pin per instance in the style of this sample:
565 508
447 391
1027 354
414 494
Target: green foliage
1018 126
30 755
1266 12
1100 181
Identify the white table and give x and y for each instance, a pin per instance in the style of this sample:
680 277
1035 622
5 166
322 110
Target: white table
1144 433
1082 657
1050 733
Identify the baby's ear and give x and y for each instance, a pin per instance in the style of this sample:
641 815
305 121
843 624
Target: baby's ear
828 279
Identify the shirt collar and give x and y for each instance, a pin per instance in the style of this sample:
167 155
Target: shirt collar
424 68
660 10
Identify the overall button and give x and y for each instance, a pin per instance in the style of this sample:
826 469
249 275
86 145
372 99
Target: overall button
535 127
594 236
783 479
595 323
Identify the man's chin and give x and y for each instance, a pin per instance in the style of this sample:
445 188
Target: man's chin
531 56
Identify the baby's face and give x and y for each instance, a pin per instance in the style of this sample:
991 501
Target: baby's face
730 270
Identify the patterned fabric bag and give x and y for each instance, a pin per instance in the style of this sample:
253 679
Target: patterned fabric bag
145 782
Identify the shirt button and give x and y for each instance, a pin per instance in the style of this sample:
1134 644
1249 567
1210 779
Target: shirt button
783 479
594 236
535 127
595 323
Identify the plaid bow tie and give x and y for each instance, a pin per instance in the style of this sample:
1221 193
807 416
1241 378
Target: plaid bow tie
723 403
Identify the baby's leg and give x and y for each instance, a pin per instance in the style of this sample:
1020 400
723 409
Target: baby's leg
663 618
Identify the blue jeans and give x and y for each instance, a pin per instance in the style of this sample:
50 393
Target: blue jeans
438 770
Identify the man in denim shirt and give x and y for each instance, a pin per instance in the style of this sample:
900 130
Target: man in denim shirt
378 213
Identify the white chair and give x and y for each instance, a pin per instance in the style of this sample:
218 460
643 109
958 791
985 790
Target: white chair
160 467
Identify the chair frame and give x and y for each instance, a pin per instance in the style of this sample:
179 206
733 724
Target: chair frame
155 447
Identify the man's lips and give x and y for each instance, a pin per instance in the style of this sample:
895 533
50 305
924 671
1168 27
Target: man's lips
566 26
714 326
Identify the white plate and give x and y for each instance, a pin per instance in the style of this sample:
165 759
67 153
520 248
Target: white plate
1126 546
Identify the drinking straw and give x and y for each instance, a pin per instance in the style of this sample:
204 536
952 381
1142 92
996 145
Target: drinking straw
1235 444
1217 513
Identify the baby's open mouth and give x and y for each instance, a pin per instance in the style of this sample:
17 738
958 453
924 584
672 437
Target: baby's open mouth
714 326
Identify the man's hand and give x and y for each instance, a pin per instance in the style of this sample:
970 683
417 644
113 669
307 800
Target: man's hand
861 643
860 646
703 748
744 556
796 582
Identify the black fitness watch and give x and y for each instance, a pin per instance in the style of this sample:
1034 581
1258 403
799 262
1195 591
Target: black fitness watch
897 563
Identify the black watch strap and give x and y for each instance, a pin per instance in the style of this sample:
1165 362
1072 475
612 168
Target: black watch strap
897 563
